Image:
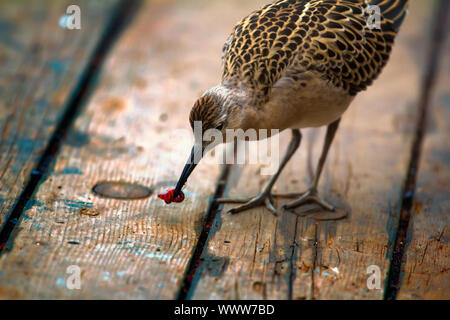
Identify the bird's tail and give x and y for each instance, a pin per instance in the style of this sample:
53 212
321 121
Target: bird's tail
392 10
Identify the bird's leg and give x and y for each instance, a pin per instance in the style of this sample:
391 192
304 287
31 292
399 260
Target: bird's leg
265 197
312 195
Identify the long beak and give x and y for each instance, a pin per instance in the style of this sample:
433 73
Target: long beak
194 158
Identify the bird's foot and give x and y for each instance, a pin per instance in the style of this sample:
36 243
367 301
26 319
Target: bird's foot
311 196
262 199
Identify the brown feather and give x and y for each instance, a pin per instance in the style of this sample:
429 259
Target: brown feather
328 37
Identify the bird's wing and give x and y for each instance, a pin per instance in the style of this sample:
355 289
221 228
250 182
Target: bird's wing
333 38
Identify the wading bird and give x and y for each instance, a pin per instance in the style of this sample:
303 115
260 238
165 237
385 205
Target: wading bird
296 64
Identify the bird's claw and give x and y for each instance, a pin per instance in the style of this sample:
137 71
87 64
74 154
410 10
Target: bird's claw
263 199
310 196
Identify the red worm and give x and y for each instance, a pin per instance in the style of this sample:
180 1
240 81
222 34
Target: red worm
169 198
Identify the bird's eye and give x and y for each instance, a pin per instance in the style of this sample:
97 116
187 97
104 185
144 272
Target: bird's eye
220 127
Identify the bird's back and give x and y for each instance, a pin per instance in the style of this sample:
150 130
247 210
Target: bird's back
330 38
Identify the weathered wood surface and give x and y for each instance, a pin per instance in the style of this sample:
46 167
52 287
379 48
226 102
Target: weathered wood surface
426 266
139 248
40 64
254 255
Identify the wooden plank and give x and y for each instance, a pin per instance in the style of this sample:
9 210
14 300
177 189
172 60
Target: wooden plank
139 248
426 267
254 255
40 65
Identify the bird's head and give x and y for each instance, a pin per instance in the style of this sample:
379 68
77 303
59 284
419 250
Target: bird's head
219 108
208 112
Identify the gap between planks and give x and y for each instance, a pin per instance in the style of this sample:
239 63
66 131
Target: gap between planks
213 209
435 54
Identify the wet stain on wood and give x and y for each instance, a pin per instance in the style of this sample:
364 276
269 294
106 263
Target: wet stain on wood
121 190
315 212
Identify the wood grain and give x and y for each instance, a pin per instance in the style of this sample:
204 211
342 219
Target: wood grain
255 256
127 248
426 264
128 134
40 65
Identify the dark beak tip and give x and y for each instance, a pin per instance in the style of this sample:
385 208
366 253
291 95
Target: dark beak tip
188 169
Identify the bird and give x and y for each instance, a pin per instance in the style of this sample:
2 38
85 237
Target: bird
290 65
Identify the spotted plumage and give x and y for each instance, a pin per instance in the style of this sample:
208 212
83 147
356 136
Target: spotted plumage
296 64
328 37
